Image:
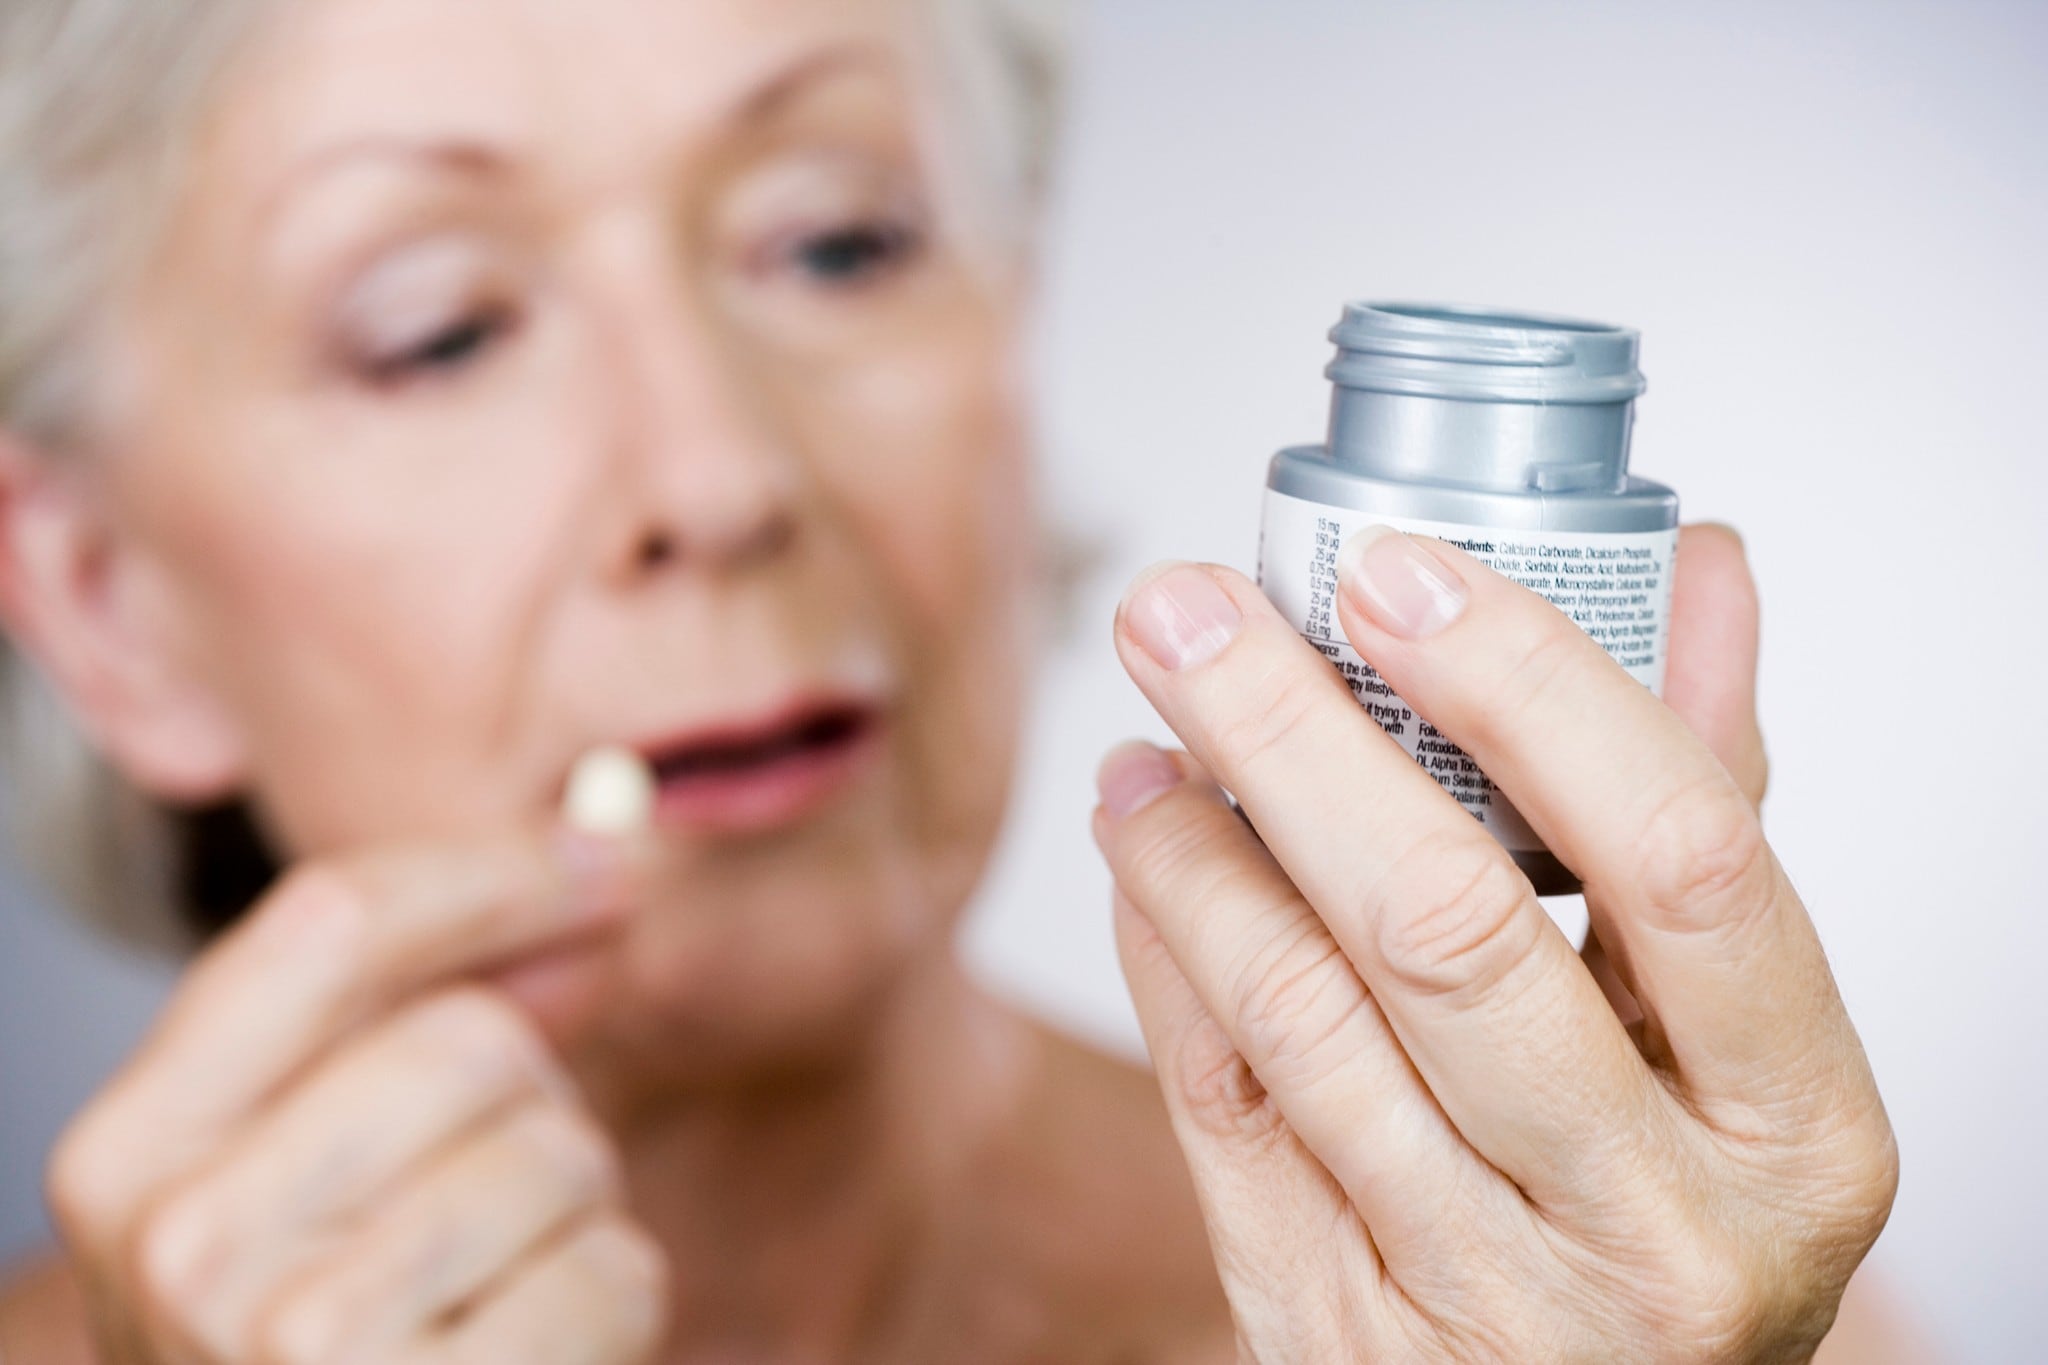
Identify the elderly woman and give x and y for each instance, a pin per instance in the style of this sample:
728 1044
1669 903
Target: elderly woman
403 398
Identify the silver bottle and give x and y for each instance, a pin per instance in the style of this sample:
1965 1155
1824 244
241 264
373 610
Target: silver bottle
1506 433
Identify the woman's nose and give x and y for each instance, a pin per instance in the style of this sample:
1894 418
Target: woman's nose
709 479
725 529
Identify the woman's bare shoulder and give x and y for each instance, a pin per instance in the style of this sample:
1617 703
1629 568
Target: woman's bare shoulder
1100 1201
42 1316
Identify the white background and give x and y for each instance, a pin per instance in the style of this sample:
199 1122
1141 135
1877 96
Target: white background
1830 222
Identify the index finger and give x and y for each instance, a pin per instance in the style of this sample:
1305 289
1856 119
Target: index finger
333 944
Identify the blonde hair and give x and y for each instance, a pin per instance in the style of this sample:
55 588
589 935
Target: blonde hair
98 100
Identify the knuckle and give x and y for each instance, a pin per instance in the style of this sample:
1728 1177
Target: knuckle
641 1269
1223 1097
306 1328
1720 1307
637 1257
1881 1178
1869 1183
176 1255
1168 843
1686 1295
1722 1294
329 895
1704 864
627 1258
573 1149
78 1182
1456 918
322 894
482 1029
1547 654
1138 943
1295 998
1173 862
1749 763
1284 700
310 889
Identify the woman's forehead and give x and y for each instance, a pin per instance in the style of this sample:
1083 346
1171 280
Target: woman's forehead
328 76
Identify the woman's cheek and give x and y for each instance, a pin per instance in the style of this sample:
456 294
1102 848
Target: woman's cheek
985 533
349 631
927 465
937 476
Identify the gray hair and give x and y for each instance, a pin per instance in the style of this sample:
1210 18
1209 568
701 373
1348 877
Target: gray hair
98 99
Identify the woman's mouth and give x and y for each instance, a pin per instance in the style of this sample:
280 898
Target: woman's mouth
758 776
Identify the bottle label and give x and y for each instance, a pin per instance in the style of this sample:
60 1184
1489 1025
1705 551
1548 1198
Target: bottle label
1616 585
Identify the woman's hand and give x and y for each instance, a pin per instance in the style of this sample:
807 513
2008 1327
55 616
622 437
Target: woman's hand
1418 1126
328 1152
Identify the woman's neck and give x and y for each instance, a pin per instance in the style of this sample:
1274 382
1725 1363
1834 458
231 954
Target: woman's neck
814 1215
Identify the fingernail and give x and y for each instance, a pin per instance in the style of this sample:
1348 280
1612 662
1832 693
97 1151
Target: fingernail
1133 776
1399 586
1179 615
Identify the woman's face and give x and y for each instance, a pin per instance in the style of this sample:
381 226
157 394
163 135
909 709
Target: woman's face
518 378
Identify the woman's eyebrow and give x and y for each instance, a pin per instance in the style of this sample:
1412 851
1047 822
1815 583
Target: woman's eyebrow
482 160
472 159
777 90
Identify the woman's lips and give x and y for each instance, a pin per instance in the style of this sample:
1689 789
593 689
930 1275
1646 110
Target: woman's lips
757 777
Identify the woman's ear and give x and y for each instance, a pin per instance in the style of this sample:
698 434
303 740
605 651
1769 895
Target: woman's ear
90 610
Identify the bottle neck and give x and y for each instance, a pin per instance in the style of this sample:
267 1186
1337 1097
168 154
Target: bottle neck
1482 398
1506 446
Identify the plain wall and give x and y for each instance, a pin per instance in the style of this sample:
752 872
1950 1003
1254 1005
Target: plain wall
1828 219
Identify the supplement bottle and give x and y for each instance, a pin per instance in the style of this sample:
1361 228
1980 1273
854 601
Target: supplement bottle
1506 434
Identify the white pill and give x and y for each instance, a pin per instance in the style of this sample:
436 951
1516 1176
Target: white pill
611 792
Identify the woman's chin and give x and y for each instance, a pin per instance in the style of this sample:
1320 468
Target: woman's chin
566 994
732 976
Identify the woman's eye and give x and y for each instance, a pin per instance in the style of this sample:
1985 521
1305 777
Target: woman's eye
856 253
449 349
